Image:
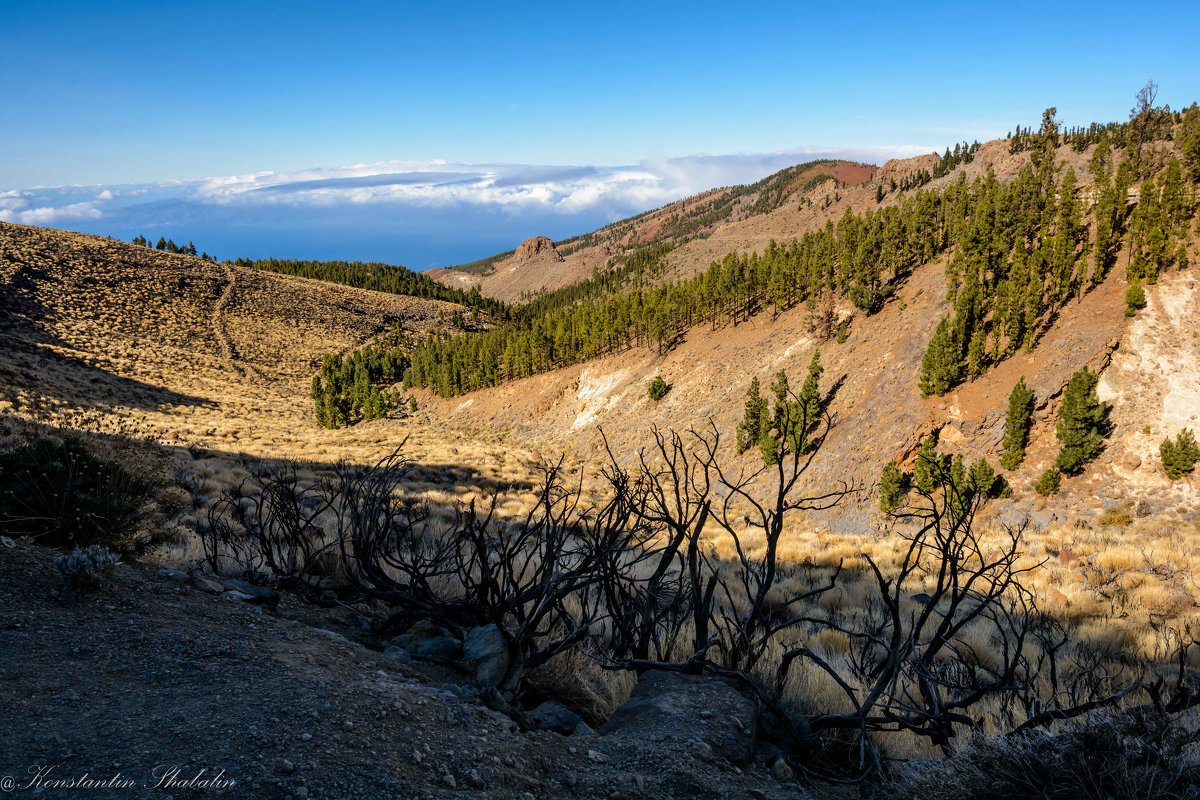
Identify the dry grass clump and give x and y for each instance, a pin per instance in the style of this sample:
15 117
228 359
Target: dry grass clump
1129 755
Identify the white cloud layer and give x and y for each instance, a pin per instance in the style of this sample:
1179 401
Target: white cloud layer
568 190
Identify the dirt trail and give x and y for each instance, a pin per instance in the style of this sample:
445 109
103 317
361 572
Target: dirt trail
228 351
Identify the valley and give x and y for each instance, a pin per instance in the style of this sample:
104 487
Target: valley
523 461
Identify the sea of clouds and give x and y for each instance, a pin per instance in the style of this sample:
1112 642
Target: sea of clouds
421 214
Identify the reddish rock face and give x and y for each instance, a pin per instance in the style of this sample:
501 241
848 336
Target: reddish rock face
536 246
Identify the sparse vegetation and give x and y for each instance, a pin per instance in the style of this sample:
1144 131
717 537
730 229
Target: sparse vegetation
658 388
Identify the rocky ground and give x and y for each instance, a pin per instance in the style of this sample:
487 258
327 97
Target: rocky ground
156 677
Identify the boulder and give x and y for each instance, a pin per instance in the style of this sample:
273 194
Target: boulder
486 651
262 595
206 584
687 708
397 653
554 716
174 575
429 648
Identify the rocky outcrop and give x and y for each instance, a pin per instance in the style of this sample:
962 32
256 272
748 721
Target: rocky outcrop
537 246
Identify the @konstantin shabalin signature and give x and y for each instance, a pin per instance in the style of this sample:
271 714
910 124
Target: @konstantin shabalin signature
161 777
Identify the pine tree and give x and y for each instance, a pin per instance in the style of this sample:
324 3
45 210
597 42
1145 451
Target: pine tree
658 388
941 366
1048 482
1135 298
782 393
749 430
929 467
1082 423
982 478
810 390
893 487
1179 457
1016 425
1188 140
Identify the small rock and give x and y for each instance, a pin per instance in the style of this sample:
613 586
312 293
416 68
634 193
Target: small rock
263 595
598 757
1131 461
174 575
207 584
485 649
702 750
449 782
429 648
300 791
332 635
1056 597
287 767
398 653
554 716
475 780
347 725
583 729
782 771
233 594
306 737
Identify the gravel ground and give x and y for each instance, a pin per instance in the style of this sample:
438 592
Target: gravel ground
150 688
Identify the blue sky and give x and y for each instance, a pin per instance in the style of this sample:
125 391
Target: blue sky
132 94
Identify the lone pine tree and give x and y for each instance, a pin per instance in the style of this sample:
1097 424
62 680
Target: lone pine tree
1016 425
1082 423
750 429
893 487
1179 456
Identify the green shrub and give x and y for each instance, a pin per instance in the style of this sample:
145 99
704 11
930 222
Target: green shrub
61 494
1179 457
894 485
1048 483
89 566
658 388
1135 299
